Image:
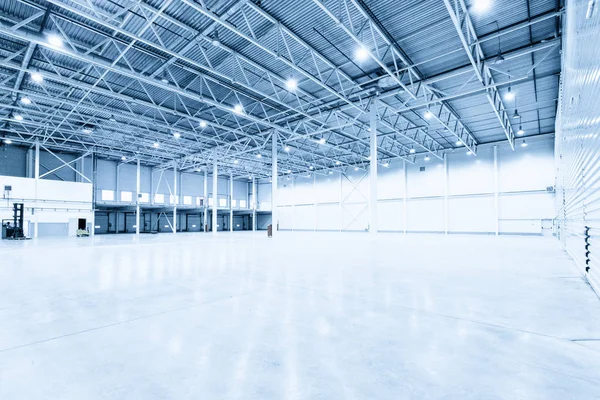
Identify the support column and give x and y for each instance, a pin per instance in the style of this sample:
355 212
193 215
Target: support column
214 194
446 215
254 199
94 191
117 196
37 179
29 166
405 172
373 171
231 202
205 202
496 205
274 175
174 198
137 200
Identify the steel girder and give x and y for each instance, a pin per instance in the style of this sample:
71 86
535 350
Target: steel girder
464 27
238 71
356 20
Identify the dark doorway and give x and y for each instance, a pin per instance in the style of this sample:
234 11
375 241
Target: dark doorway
82 224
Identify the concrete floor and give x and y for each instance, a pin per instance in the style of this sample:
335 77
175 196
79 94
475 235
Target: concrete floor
304 316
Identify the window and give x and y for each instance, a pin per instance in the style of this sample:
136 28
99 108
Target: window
233 203
144 197
242 203
173 199
210 201
159 198
199 201
187 200
126 196
222 202
108 195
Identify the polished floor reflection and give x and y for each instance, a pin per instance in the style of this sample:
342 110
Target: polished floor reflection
303 316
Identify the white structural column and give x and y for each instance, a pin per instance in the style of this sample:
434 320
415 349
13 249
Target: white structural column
37 179
137 199
231 202
373 171
254 200
496 205
446 215
404 200
274 182
174 198
118 197
205 202
214 195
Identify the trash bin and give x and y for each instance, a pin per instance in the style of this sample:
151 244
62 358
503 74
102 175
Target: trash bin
270 230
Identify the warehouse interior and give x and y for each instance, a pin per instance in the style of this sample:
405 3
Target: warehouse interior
269 199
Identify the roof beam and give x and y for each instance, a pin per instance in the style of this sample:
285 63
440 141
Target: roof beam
459 14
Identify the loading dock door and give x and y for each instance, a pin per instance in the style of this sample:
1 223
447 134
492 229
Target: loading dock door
194 223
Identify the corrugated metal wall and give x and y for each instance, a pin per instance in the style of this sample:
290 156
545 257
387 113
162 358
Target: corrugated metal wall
577 141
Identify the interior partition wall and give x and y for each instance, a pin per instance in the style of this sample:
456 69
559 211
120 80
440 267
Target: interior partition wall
578 139
499 191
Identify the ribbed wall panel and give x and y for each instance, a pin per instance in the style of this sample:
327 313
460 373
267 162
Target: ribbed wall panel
578 142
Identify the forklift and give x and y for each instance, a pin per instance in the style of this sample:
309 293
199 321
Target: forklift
14 231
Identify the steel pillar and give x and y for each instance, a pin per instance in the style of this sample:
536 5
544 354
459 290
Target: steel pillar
175 198
274 182
254 200
205 202
37 180
137 199
373 171
446 215
231 202
214 194
496 202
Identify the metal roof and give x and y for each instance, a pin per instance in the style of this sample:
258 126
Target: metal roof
130 74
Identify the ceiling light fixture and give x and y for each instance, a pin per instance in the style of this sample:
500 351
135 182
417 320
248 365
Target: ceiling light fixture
427 158
202 124
259 155
356 168
156 145
37 77
516 114
361 53
524 144
337 163
291 84
311 167
87 130
112 118
238 109
55 40
386 164
25 100
428 114
469 153
236 161
123 158
215 41
459 143
176 135
7 141
480 6
286 149
520 131
510 95
289 171
412 151
321 141
330 172
18 117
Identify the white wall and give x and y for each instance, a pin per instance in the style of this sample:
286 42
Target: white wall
57 202
459 199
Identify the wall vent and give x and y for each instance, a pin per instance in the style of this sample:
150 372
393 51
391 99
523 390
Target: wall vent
550 189
422 169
